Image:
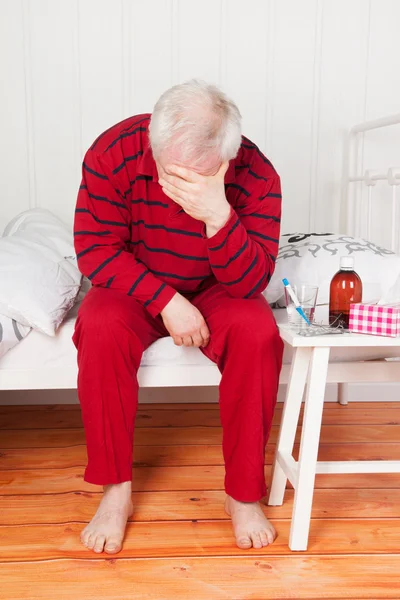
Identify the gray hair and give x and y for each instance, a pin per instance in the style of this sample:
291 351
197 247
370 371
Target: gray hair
197 118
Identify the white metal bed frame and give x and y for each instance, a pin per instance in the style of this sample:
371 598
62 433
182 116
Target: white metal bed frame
352 206
351 197
208 375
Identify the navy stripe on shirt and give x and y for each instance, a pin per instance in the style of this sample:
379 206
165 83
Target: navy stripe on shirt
101 221
83 252
169 229
182 277
261 216
256 176
250 146
127 159
138 280
89 170
150 202
155 296
109 282
104 264
264 237
238 253
166 251
125 135
139 178
247 271
252 173
92 232
237 187
270 195
253 289
104 199
144 177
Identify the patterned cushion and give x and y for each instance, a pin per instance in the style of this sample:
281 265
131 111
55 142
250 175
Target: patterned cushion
313 258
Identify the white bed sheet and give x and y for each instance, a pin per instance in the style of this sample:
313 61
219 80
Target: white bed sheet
39 351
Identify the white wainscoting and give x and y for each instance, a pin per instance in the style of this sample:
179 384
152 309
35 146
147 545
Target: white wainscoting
358 392
302 73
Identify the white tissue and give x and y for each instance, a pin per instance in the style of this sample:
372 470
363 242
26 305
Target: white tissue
392 296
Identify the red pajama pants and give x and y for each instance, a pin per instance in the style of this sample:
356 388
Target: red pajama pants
113 330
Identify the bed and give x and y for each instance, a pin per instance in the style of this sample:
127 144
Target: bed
43 362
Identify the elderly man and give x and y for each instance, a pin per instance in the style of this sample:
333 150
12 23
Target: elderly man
177 227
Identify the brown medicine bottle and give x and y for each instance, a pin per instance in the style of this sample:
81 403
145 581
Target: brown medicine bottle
346 288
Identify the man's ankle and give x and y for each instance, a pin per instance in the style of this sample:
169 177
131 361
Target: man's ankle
124 486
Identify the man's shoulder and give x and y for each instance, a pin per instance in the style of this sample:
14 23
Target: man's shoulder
132 131
250 156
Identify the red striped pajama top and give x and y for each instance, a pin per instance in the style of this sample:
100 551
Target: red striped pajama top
131 237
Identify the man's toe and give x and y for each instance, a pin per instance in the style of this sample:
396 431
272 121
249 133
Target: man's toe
91 541
264 538
99 543
244 542
255 537
271 535
85 536
113 546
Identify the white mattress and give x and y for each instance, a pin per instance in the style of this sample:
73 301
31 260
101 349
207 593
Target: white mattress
39 351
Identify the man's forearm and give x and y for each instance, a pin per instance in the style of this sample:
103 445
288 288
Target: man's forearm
239 262
218 221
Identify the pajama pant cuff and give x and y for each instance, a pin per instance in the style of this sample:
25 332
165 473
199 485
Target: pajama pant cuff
100 479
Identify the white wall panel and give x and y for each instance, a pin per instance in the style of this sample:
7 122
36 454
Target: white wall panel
54 57
244 75
101 65
15 190
295 52
301 72
382 93
342 101
150 48
198 31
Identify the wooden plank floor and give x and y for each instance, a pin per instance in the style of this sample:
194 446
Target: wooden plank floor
179 542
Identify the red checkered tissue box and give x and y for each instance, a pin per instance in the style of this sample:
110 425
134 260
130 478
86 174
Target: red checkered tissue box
375 319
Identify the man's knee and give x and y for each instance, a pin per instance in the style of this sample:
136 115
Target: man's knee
102 317
254 325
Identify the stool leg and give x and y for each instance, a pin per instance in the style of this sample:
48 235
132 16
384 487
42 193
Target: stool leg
289 420
343 393
307 463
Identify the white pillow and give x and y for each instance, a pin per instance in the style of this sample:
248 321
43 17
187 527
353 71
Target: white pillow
38 271
11 333
313 258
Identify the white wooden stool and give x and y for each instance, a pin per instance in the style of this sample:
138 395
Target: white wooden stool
311 356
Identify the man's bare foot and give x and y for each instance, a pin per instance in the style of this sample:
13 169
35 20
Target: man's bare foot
107 528
250 525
